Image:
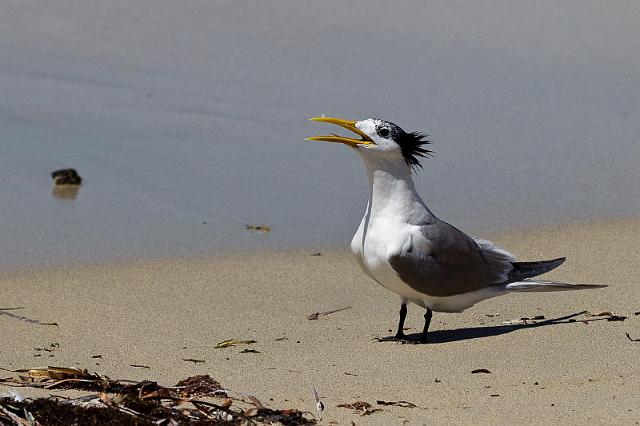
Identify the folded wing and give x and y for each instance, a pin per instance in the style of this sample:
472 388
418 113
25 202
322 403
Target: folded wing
443 261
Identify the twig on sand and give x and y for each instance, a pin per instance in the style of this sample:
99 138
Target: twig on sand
405 404
3 311
193 360
316 315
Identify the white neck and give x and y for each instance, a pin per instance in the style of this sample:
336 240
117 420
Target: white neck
392 193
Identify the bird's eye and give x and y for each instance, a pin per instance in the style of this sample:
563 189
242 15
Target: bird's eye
383 132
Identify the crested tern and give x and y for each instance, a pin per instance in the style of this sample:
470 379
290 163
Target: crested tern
404 247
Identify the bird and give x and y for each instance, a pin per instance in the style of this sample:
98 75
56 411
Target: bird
403 246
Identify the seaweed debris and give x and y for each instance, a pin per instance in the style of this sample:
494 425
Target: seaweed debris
124 402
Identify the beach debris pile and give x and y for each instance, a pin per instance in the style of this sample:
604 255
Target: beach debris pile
128 402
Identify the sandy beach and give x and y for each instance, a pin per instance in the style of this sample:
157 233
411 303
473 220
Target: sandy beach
157 313
187 120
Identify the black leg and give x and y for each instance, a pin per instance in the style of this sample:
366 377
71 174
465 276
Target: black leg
427 321
403 315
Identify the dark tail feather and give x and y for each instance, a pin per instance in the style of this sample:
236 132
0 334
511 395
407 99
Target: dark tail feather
523 270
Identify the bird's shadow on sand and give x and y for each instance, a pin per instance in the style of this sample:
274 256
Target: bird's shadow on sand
468 333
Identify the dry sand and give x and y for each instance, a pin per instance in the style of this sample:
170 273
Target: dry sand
157 313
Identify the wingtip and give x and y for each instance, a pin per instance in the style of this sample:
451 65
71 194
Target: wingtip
543 286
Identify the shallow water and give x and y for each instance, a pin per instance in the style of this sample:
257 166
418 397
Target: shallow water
177 114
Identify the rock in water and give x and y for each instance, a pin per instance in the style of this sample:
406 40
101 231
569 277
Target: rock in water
66 177
66 183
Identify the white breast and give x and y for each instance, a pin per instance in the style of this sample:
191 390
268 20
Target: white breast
370 246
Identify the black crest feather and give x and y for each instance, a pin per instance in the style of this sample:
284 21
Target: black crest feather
412 144
413 148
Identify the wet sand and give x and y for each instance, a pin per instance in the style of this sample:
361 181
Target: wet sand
187 121
158 313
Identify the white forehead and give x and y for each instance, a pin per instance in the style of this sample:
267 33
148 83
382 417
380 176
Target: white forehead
368 126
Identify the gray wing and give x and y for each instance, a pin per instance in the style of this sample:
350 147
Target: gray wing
443 261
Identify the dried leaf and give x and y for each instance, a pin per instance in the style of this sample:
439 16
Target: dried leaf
139 366
480 370
249 351
233 342
200 385
60 373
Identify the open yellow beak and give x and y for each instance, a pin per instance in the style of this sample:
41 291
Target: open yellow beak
349 125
